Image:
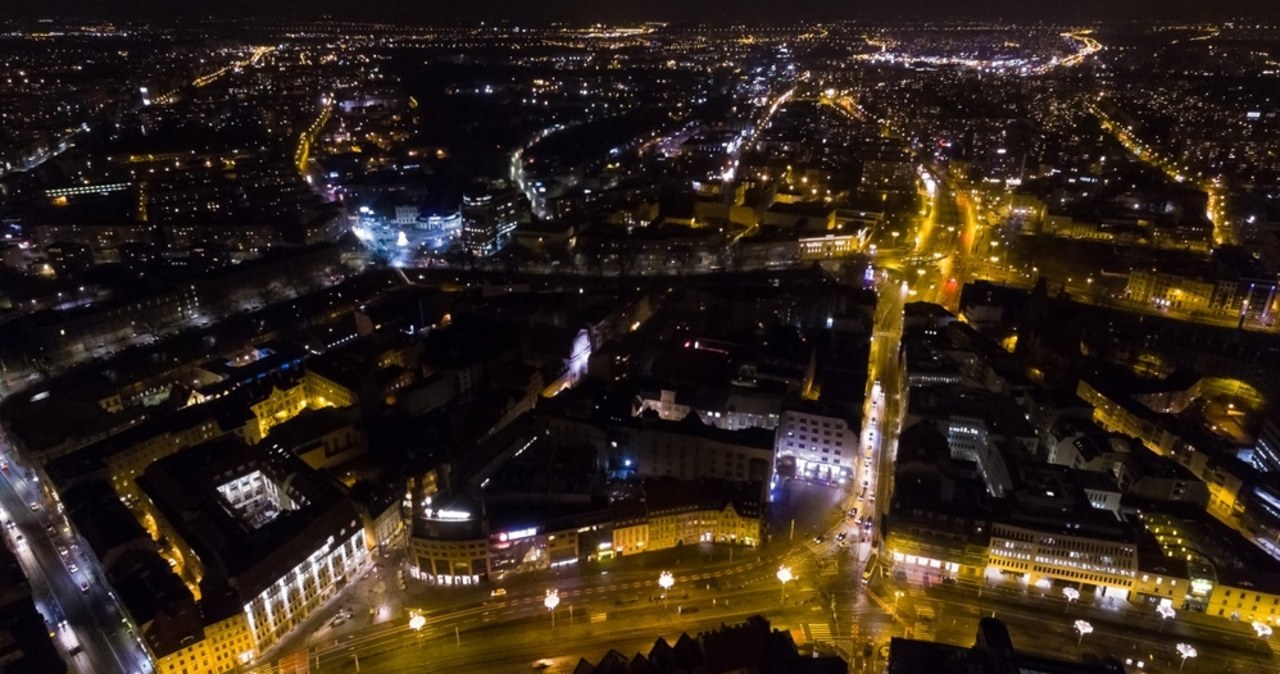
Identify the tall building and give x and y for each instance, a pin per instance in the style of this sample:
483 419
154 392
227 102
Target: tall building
813 442
489 217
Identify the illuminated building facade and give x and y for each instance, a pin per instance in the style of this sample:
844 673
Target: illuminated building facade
674 513
1038 556
451 547
489 218
256 528
814 444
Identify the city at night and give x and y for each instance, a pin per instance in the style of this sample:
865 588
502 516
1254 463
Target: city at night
658 337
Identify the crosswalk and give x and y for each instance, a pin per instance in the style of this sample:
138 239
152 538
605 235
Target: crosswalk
923 630
819 631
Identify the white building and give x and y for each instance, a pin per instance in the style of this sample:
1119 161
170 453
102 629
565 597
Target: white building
815 445
1041 557
970 441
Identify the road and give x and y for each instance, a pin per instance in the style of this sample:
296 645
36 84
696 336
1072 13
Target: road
86 618
602 611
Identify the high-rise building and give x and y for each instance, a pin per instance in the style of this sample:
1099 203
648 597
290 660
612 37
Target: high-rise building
814 442
489 217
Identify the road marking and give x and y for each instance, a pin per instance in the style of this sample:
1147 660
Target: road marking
819 631
923 631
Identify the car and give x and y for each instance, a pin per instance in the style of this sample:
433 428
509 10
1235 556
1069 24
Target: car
76 650
853 513
84 587
843 535
8 524
71 566
35 506
687 609
4 465
500 592
51 530
338 621
543 664
62 550
819 538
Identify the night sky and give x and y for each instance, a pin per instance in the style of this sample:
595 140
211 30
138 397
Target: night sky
717 11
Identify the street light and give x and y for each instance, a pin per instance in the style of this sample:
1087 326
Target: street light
1166 613
1083 627
784 576
1072 596
1186 651
1263 631
665 581
551 601
416 623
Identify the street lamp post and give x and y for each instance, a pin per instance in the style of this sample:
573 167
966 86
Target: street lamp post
416 623
1072 595
784 577
1166 614
1186 652
1263 631
665 581
1083 627
551 601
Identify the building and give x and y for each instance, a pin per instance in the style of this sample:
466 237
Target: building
249 412
731 407
970 440
489 217
465 543
448 546
647 446
1266 452
179 631
469 539
257 528
939 515
816 442
323 437
1071 554
675 513
1224 474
